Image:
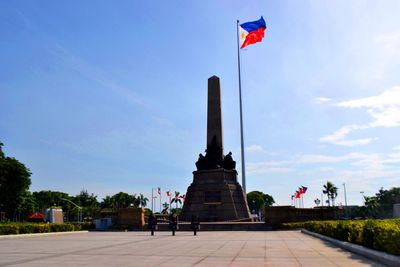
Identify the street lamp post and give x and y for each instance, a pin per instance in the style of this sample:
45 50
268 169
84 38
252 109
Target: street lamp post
76 206
362 198
345 199
322 200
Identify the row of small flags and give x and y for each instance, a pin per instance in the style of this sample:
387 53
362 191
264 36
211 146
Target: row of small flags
302 190
168 193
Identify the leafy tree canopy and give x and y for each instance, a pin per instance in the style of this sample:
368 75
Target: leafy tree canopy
257 200
381 205
84 199
388 197
121 200
331 191
46 198
14 184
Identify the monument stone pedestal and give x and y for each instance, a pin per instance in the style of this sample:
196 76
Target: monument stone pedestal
215 195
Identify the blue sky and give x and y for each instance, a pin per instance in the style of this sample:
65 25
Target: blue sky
111 96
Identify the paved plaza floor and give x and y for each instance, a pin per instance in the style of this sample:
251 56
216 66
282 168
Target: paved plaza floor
272 248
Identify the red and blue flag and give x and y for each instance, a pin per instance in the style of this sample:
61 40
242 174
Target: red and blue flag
252 32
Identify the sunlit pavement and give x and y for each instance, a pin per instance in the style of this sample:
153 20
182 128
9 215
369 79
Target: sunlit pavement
279 248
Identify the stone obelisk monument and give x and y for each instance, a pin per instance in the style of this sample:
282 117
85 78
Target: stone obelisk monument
215 194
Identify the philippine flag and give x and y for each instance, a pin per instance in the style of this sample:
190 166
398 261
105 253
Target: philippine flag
252 32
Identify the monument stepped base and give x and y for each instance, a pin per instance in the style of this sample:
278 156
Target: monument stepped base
220 226
215 195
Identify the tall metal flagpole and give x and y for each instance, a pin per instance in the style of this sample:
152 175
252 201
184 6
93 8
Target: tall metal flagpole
241 116
160 200
152 201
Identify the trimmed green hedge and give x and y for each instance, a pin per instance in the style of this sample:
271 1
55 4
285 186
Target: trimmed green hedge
29 228
383 235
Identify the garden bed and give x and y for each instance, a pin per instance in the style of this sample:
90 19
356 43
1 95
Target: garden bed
30 228
382 235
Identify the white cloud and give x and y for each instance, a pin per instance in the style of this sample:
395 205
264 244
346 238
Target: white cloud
389 117
339 137
254 148
396 148
367 167
269 163
268 167
312 158
269 170
321 100
390 97
384 109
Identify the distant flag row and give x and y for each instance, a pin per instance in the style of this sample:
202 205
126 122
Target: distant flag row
168 193
302 190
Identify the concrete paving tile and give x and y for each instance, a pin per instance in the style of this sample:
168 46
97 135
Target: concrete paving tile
316 262
245 264
207 249
181 261
283 263
307 254
352 263
249 261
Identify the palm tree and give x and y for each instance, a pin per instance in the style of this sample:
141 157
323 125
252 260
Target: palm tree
331 191
165 208
142 200
176 199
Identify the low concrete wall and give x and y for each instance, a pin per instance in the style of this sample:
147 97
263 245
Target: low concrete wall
274 216
133 217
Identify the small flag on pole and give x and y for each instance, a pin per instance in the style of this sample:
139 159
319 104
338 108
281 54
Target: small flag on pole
159 191
252 32
304 189
183 197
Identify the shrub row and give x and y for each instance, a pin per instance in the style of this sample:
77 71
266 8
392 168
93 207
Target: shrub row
383 235
29 228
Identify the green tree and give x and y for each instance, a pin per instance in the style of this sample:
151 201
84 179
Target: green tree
28 204
381 205
257 200
14 184
120 200
176 200
107 203
371 206
1 150
165 208
268 200
88 203
331 191
388 197
142 200
47 198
